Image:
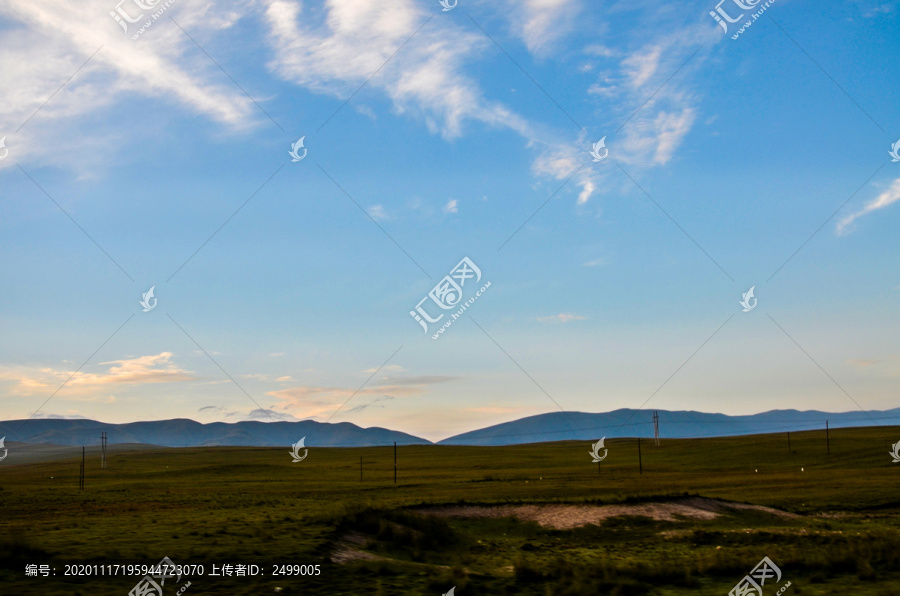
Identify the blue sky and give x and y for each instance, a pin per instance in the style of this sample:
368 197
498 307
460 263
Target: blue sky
433 136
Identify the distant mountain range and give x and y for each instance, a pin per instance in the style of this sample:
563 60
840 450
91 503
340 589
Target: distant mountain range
554 426
182 432
563 426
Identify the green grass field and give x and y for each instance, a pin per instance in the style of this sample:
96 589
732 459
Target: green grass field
253 506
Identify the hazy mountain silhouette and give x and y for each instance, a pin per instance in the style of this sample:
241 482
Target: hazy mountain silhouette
181 432
554 426
583 426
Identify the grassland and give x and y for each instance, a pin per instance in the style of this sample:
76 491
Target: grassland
253 506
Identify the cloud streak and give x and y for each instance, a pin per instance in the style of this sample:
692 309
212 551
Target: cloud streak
562 318
319 401
134 371
885 199
48 41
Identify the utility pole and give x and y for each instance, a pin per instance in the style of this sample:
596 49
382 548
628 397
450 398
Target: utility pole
640 462
103 441
81 472
789 441
395 462
656 427
360 468
827 439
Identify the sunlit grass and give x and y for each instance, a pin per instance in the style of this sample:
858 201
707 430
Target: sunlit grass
252 505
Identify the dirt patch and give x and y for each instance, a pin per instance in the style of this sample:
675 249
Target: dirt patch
350 548
565 517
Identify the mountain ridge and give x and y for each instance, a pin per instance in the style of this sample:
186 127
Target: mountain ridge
547 427
673 424
184 432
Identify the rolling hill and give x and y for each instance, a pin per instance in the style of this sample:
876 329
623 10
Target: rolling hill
566 426
182 432
553 426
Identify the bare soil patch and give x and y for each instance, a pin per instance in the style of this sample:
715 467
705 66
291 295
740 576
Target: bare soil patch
565 517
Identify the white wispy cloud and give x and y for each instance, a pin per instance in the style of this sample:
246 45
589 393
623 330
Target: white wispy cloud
562 160
542 23
887 366
562 318
50 416
355 39
372 403
256 376
156 368
886 198
377 213
318 401
640 66
47 42
451 206
264 414
658 107
329 49
427 80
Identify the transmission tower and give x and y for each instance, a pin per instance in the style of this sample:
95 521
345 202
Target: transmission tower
103 441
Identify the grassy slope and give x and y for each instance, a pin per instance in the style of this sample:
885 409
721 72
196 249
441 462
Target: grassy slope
252 505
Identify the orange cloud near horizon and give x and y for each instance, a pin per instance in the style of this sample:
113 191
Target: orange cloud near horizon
156 368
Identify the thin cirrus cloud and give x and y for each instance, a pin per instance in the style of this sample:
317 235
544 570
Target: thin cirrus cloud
378 213
885 199
655 132
426 80
888 366
329 51
320 401
561 161
157 368
359 38
264 414
654 112
370 404
862 363
562 318
46 42
541 23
